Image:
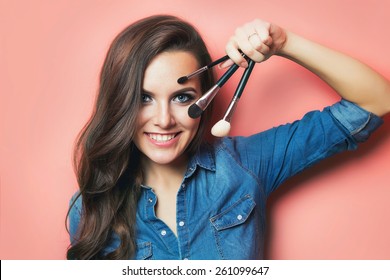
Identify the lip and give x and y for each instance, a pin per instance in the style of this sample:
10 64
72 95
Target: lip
163 143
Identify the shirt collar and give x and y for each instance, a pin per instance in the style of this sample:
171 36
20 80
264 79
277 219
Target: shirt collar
204 158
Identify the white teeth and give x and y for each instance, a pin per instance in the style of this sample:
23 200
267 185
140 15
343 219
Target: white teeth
162 138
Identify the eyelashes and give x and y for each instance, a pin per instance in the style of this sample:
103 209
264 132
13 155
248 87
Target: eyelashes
145 98
181 98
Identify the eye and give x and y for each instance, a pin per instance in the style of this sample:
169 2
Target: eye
145 98
183 98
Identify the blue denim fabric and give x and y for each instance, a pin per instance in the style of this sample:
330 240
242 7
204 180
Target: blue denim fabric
221 201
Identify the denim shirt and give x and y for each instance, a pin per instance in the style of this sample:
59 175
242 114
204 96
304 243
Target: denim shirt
220 205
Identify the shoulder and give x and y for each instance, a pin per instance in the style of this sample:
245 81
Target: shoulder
75 202
75 213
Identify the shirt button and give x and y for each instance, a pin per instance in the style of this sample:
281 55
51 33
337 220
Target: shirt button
239 217
163 232
150 200
181 223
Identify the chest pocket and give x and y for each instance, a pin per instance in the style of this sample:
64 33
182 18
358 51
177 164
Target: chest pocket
235 215
144 251
235 230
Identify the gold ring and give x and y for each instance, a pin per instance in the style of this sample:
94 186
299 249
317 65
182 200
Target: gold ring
252 35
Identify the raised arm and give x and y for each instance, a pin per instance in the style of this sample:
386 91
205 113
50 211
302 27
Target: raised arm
352 79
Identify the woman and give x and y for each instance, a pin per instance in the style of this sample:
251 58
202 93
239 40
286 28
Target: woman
150 188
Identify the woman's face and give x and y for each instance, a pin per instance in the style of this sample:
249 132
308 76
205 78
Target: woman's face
164 129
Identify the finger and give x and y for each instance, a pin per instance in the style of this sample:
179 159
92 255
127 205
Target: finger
253 51
245 47
255 40
258 45
226 64
262 28
234 54
251 39
268 41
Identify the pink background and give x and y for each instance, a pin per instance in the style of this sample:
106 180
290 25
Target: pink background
51 53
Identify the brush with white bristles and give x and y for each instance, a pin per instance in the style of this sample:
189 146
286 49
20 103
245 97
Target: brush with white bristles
222 128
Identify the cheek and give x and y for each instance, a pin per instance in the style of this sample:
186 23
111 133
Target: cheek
142 117
195 126
187 122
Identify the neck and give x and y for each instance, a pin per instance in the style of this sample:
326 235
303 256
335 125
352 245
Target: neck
163 175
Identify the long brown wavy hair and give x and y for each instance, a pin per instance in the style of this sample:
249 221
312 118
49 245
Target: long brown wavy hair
105 158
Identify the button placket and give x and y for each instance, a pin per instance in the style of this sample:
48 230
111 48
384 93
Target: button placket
160 229
181 216
149 205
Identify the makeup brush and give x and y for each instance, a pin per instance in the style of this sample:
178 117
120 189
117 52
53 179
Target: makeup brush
222 128
199 106
184 79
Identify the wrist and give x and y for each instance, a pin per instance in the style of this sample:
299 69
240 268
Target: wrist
286 47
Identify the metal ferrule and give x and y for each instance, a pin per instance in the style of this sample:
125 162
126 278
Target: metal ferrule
206 99
230 110
197 72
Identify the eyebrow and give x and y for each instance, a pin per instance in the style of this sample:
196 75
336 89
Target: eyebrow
182 90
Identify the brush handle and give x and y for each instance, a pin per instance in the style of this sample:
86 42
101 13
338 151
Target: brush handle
218 61
227 75
244 79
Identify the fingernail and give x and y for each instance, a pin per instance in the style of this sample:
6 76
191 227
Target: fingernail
225 64
244 64
222 65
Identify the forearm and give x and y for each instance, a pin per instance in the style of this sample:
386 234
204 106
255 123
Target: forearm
351 79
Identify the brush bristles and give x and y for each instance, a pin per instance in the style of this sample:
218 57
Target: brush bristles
182 80
221 128
194 111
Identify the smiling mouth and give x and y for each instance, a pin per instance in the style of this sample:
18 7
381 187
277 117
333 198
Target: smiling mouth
162 138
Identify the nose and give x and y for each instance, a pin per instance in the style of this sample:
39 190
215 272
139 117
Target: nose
164 116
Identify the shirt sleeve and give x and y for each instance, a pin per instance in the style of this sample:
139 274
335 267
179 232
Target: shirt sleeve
358 122
281 152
